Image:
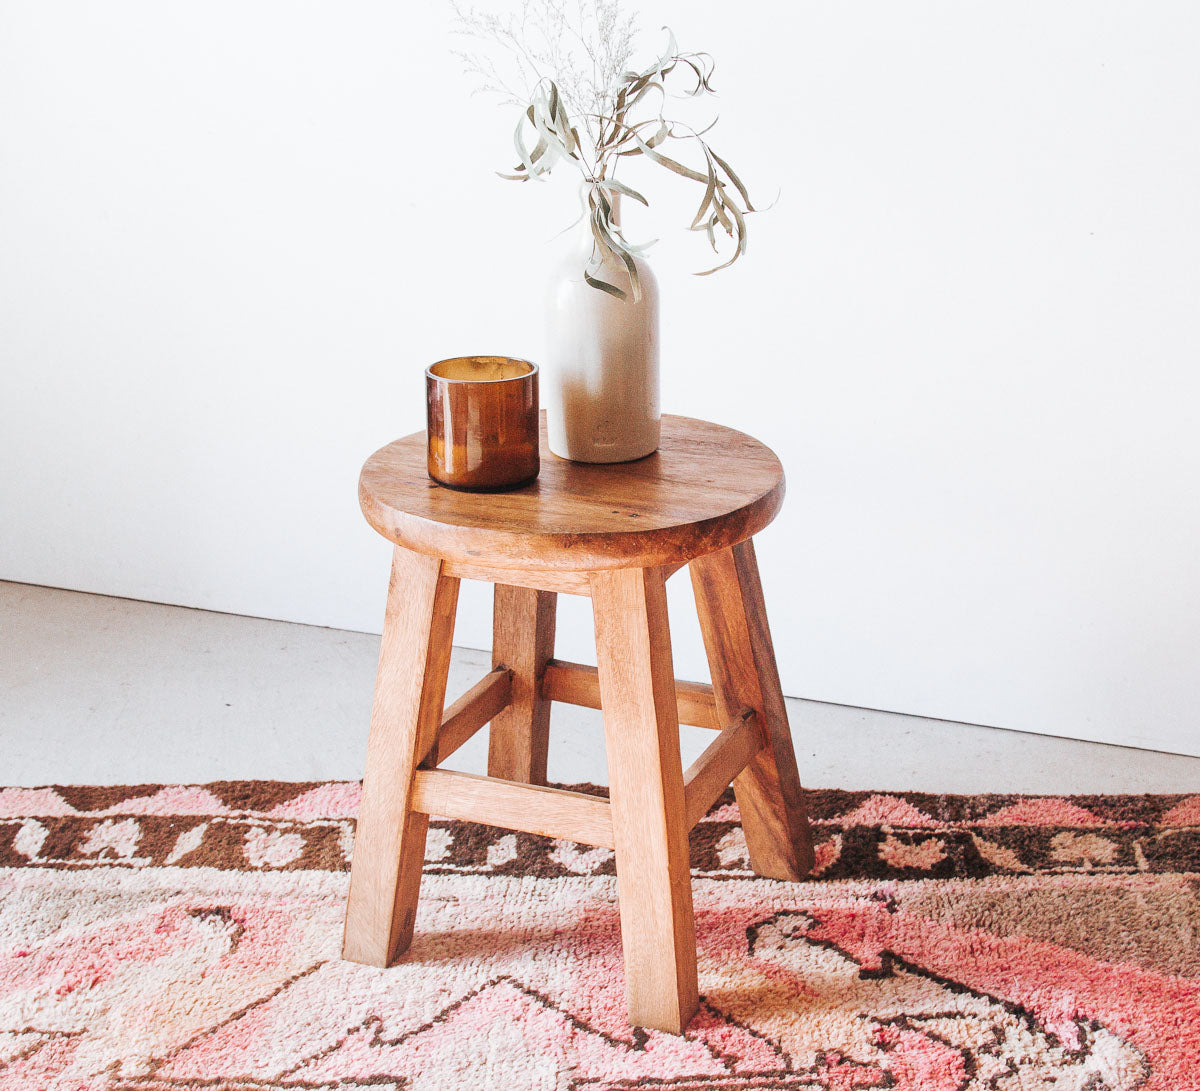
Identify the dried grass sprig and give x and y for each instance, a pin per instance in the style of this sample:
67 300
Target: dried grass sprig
594 119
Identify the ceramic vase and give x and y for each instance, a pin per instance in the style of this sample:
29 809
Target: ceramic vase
600 383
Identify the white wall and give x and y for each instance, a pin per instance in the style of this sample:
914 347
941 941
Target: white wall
233 234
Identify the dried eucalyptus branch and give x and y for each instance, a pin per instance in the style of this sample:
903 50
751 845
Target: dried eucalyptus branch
582 104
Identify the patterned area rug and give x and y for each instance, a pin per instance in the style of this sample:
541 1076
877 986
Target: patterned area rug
164 938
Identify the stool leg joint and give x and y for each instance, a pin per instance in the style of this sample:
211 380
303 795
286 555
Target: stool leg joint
724 759
579 684
490 696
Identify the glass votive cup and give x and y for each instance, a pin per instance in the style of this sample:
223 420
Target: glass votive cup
482 420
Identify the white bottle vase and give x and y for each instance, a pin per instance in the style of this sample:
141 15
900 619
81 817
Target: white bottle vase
600 383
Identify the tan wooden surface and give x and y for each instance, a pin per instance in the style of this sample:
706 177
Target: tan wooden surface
724 758
706 488
641 728
733 619
565 582
614 532
410 691
551 812
579 684
522 641
469 713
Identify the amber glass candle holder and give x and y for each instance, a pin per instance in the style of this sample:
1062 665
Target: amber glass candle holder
482 416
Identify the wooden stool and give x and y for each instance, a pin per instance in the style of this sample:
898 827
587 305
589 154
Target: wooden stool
616 533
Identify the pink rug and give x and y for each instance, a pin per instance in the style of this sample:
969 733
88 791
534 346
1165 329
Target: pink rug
164 938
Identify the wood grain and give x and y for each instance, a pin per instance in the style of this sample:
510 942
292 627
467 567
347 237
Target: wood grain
467 715
641 728
724 758
522 641
389 845
568 583
615 532
551 812
733 619
706 488
579 684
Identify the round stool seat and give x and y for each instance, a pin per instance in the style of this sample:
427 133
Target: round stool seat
706 488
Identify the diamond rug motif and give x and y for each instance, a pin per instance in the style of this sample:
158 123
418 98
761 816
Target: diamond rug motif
168 938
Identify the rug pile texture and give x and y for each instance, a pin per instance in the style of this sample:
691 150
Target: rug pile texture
161 938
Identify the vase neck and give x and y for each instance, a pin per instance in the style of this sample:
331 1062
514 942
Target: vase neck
586 239
614 202
614 199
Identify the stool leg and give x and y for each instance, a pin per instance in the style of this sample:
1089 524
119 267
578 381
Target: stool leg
641 729
389 845
523 641
733 618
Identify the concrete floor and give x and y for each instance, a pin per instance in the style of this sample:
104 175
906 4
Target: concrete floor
97 690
